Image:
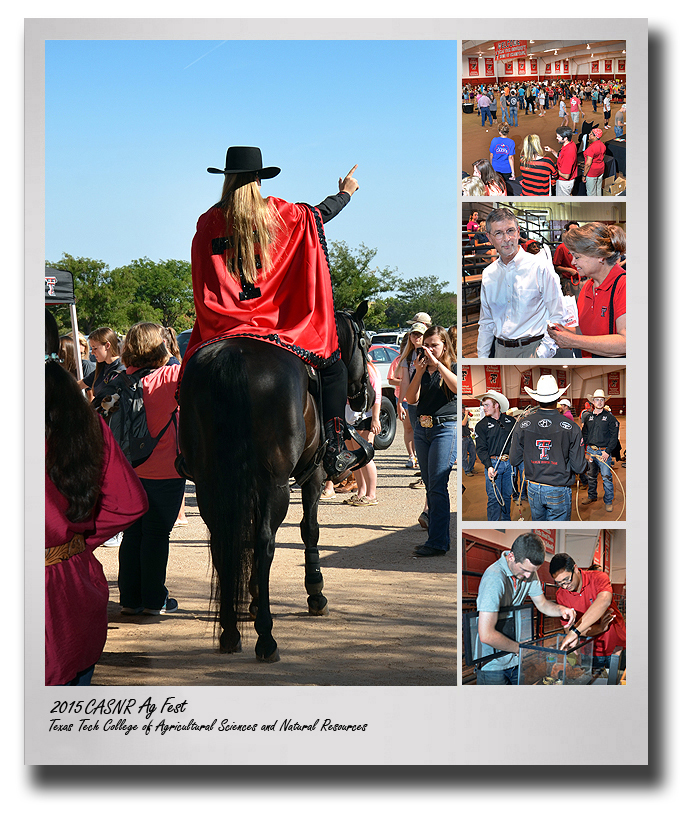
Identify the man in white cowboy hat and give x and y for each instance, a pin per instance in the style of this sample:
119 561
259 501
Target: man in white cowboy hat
493 434
520 294
600 434
552 450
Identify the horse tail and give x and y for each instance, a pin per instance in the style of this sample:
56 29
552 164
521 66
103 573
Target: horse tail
231 493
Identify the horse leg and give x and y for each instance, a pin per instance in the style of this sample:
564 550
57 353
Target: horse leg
254 593
309 531
272 512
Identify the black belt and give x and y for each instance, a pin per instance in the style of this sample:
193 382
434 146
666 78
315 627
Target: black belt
518 343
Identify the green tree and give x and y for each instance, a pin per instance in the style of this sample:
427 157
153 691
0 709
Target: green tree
425 294
101 295
162 293
352 278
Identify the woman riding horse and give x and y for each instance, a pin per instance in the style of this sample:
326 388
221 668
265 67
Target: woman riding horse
260 269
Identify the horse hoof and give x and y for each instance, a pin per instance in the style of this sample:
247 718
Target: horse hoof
274 657
227 647
317 605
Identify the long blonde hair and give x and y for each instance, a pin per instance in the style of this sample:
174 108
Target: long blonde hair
252 223
532 149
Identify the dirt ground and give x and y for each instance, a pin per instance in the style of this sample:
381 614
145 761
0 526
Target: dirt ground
392 617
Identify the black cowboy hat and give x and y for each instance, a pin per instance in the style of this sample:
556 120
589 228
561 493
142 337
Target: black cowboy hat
245 159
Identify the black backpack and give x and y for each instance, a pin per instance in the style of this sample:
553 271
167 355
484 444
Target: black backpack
126 417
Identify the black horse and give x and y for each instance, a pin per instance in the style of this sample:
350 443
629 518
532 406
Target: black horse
249 423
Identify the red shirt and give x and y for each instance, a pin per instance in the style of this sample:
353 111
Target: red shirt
562 257
536 177
567 161
596 152
593 583
158 397
594 305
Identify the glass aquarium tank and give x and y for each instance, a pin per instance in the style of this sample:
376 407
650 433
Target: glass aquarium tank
541 661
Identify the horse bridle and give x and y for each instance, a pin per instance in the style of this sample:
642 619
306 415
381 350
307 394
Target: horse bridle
360 342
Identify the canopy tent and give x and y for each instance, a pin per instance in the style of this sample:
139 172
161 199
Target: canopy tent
60 291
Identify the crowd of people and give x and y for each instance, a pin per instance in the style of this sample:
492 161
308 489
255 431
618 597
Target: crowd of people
536 454
569 303
272 252
528 168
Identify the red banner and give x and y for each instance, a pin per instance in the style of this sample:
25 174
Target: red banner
466 380
561 379
549 538
545 371
621 65
525 381
508 68
488 66
533 66
505 49
521 67
566 66
595 67
493 378
548 67
608 66
557 66
474 66
613 383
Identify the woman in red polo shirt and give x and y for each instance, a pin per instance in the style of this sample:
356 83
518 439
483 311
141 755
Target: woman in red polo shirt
596 249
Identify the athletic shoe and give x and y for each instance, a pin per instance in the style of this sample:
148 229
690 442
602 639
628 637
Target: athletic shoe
169 607
411 464
131 611
418 484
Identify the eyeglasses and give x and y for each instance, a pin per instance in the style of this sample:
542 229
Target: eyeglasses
508 233
565 583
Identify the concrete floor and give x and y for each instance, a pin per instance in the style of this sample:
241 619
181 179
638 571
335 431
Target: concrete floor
477 139
474 498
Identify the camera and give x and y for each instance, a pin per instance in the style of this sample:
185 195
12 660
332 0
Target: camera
421 353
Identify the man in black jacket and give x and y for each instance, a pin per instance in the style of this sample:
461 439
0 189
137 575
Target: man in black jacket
552 450
493 435
600 434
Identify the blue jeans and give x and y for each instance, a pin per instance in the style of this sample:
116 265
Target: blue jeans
513 115
486 112
619 131
508 676
469 454
605 469
504 487
549 502
504 106
144 550
436 450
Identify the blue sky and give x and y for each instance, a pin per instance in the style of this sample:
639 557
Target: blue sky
132 125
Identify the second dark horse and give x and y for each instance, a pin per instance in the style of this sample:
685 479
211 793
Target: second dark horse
248 425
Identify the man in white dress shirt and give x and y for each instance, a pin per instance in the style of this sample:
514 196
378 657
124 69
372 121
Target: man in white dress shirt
520 294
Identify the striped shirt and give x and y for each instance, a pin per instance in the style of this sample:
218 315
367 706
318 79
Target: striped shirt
536 177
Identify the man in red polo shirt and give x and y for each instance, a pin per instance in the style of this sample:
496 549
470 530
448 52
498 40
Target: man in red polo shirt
567 161
589 593
566 268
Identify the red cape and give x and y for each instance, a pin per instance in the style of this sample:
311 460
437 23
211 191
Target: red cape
295 308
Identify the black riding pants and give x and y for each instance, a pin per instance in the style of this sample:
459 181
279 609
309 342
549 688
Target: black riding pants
334 390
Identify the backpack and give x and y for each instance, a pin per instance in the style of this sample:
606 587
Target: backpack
123 408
